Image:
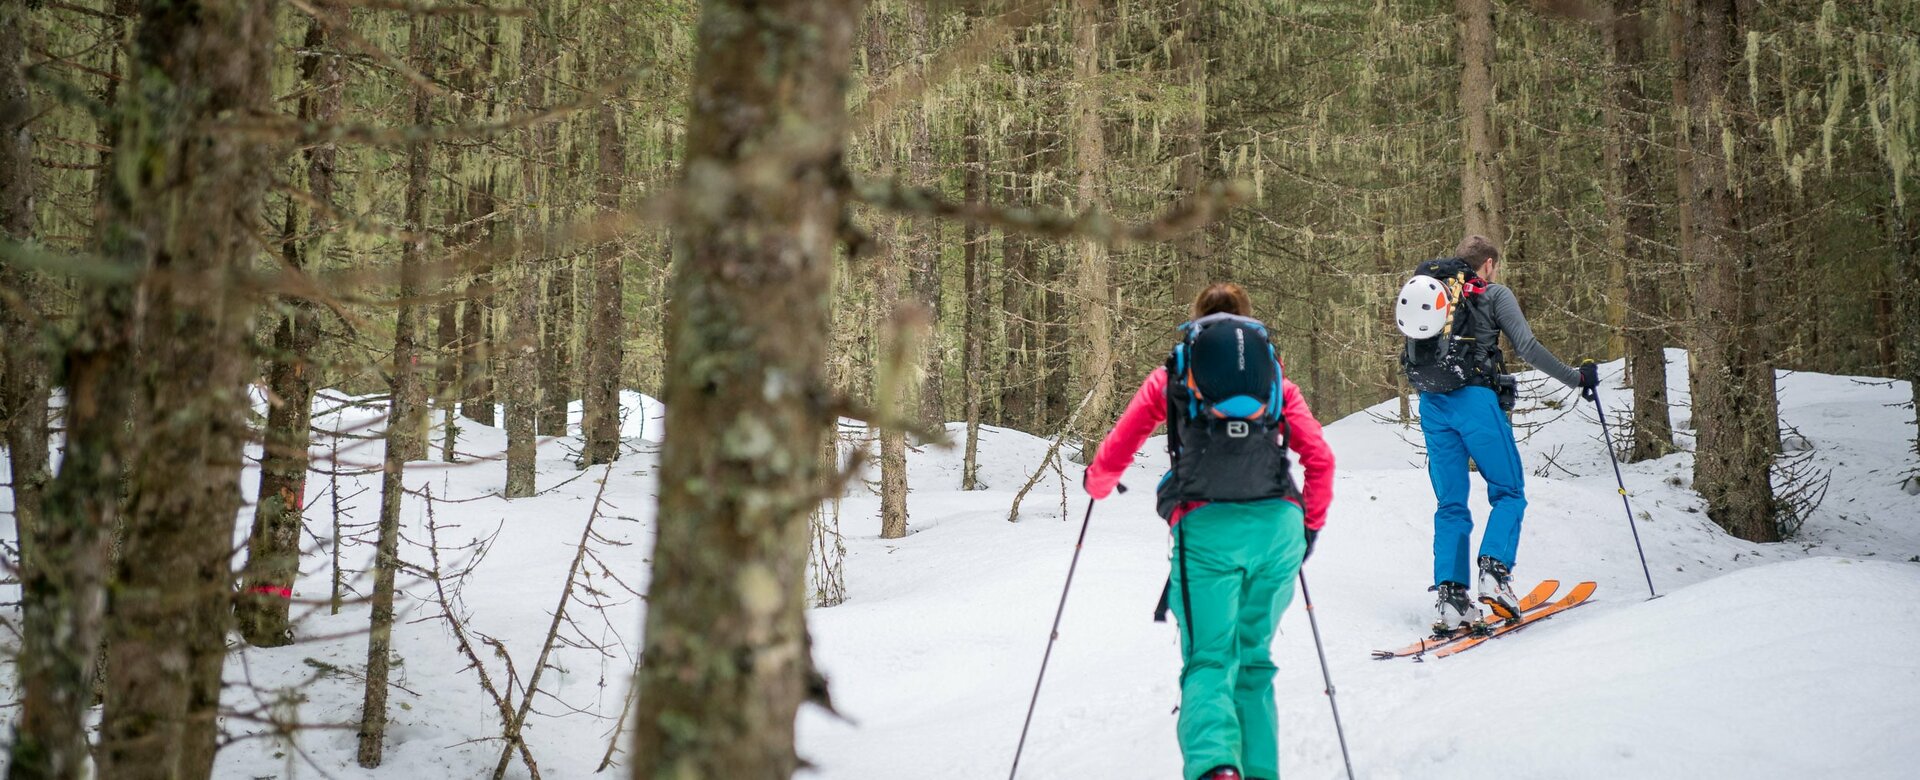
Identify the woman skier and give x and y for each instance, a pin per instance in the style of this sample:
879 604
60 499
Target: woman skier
1241 528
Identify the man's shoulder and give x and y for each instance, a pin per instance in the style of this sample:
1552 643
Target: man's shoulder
1498 296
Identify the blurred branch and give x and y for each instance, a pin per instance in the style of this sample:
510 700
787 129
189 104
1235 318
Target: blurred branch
1094 225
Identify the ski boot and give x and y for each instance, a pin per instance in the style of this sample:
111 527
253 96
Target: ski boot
1456 611
1221 773
1496 589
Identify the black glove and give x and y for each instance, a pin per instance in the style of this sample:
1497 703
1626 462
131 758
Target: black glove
1311 535
1589 379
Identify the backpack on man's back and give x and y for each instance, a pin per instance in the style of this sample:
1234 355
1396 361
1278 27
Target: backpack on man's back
1437 310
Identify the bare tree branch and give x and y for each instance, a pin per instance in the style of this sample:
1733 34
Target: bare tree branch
1094 225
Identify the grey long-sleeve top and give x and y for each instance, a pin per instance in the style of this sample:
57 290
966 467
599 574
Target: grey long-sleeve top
1499 302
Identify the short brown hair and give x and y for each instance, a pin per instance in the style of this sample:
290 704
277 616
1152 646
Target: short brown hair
1222 298
1476 250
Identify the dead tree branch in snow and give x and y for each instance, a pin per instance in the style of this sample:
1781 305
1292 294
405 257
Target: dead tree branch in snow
451 614
1053 451
581 555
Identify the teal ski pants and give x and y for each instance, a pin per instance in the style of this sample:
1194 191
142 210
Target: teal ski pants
1233 573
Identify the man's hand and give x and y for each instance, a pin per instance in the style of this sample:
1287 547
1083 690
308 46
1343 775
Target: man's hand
1589 378
1311 535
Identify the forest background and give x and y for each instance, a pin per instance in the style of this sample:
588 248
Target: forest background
471 209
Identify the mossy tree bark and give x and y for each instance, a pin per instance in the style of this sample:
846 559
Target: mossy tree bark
522 285
407 419
896 242
1631 110
1020 303
49 740
1732 382
1482 192
1189 56
728 661
973 331
606 339
273 551
406 436
922 240
23 366
194 63
1090 160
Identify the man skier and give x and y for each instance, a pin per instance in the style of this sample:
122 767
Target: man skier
1471 422
1241 529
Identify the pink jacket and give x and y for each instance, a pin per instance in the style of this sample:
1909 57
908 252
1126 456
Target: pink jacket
1148 409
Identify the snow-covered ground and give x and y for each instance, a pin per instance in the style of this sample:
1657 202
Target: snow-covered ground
1788 660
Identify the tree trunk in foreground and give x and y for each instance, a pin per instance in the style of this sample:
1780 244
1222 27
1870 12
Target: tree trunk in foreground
741 460
195 62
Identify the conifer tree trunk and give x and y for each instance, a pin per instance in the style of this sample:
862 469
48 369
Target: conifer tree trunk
1052 354
973 237
49 740
406 427
23 365
1906 225
556 351
477 343
1019 391
1631 109
476 316
522 347
273 552
446 391
1189 55
1482 193
923 248
523 375
23 385
1677 15
891 376
448 354
557 315
408 417
1090 159
606 352
1733 385
740 464
195 62
557 312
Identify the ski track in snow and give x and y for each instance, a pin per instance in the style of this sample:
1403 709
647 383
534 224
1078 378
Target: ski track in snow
1788 660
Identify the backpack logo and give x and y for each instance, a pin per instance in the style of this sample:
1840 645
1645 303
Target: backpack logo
1237 428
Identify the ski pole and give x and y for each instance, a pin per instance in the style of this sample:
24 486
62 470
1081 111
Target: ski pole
1607 439
1053 635
1324 675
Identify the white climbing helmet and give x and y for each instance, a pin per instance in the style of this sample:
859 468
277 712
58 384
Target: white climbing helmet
1423 309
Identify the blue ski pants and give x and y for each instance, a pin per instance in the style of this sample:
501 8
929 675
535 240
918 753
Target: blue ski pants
1468 423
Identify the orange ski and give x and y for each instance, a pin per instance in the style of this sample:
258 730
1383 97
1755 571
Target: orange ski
1532 600
1573 599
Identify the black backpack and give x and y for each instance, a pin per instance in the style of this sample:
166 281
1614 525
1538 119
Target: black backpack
1225 427
1455 357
